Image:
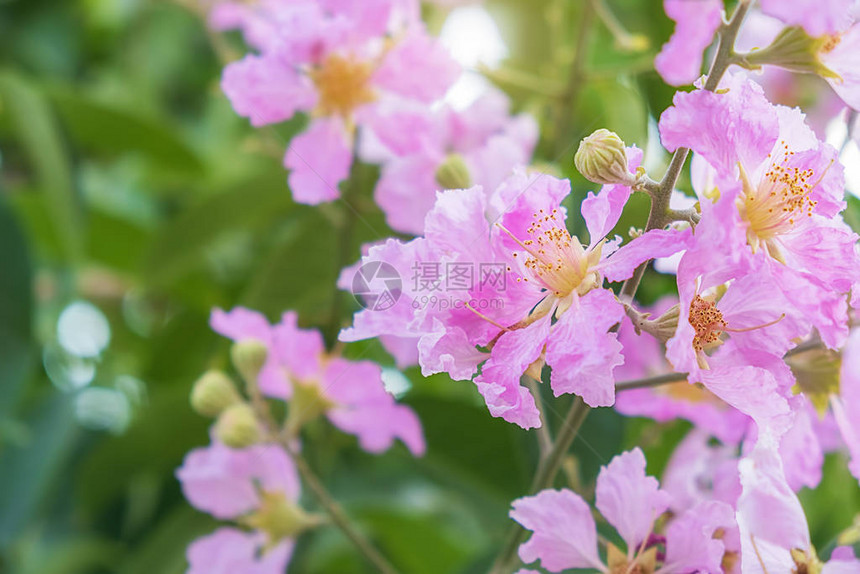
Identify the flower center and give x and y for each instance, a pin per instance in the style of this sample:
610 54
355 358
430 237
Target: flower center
830 43
707 321
343 83
556 261
780 199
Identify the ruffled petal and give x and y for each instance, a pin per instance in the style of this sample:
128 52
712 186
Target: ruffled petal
319 159
564 534
680 60
581 351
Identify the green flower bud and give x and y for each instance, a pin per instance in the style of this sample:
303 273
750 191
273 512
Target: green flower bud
454 173
237 426
795 50
249 356
212 393
279 518
602 158
307 403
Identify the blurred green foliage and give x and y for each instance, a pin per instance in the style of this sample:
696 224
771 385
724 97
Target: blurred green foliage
127 181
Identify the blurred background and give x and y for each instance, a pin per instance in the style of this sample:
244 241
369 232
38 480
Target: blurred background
133 200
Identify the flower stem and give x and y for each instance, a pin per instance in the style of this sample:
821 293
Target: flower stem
336 513
659 215
544 478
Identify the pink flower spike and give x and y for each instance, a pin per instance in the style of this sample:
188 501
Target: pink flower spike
319 159
629 499
680 60
230 551
564 534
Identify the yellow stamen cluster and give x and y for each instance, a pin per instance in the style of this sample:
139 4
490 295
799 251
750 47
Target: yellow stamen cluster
556 260
343 84
707 321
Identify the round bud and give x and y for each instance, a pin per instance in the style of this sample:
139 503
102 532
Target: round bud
279 518
212 393
249 356
602 158
454 173
237 426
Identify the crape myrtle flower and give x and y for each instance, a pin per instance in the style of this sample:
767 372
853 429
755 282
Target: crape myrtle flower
553 307
770 203
773 528
564 534
351 394
442 148
338 62
257 488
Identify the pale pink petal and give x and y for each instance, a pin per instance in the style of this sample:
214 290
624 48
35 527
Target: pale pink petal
699 471
846 407
319 159
448 350
680 60
800 449
629 499
601 211
223 481
564 534
844 59
265 90
364 408
418 67
298 350
581 351
752 390
817 17
690 542
697 120
499 381
842 561
654 243
230 551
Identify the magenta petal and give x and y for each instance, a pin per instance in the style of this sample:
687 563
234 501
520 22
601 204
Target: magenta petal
231 551
582 353
265 90
499 381
601 211
564 534
680 60
319 159
629 499
653 244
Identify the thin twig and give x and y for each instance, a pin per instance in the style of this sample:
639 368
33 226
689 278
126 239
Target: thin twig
658 217
335 512
544 478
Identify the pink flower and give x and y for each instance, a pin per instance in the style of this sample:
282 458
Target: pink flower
773 205
337 63
680 60
350 393
485 136
773 528
545 302
565 536
699 472
239 485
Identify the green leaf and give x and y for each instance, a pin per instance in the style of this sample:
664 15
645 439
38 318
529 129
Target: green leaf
180 244
29 471
36 127
111 130
16 310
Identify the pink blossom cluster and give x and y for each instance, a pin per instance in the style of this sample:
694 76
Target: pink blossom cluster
761 336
